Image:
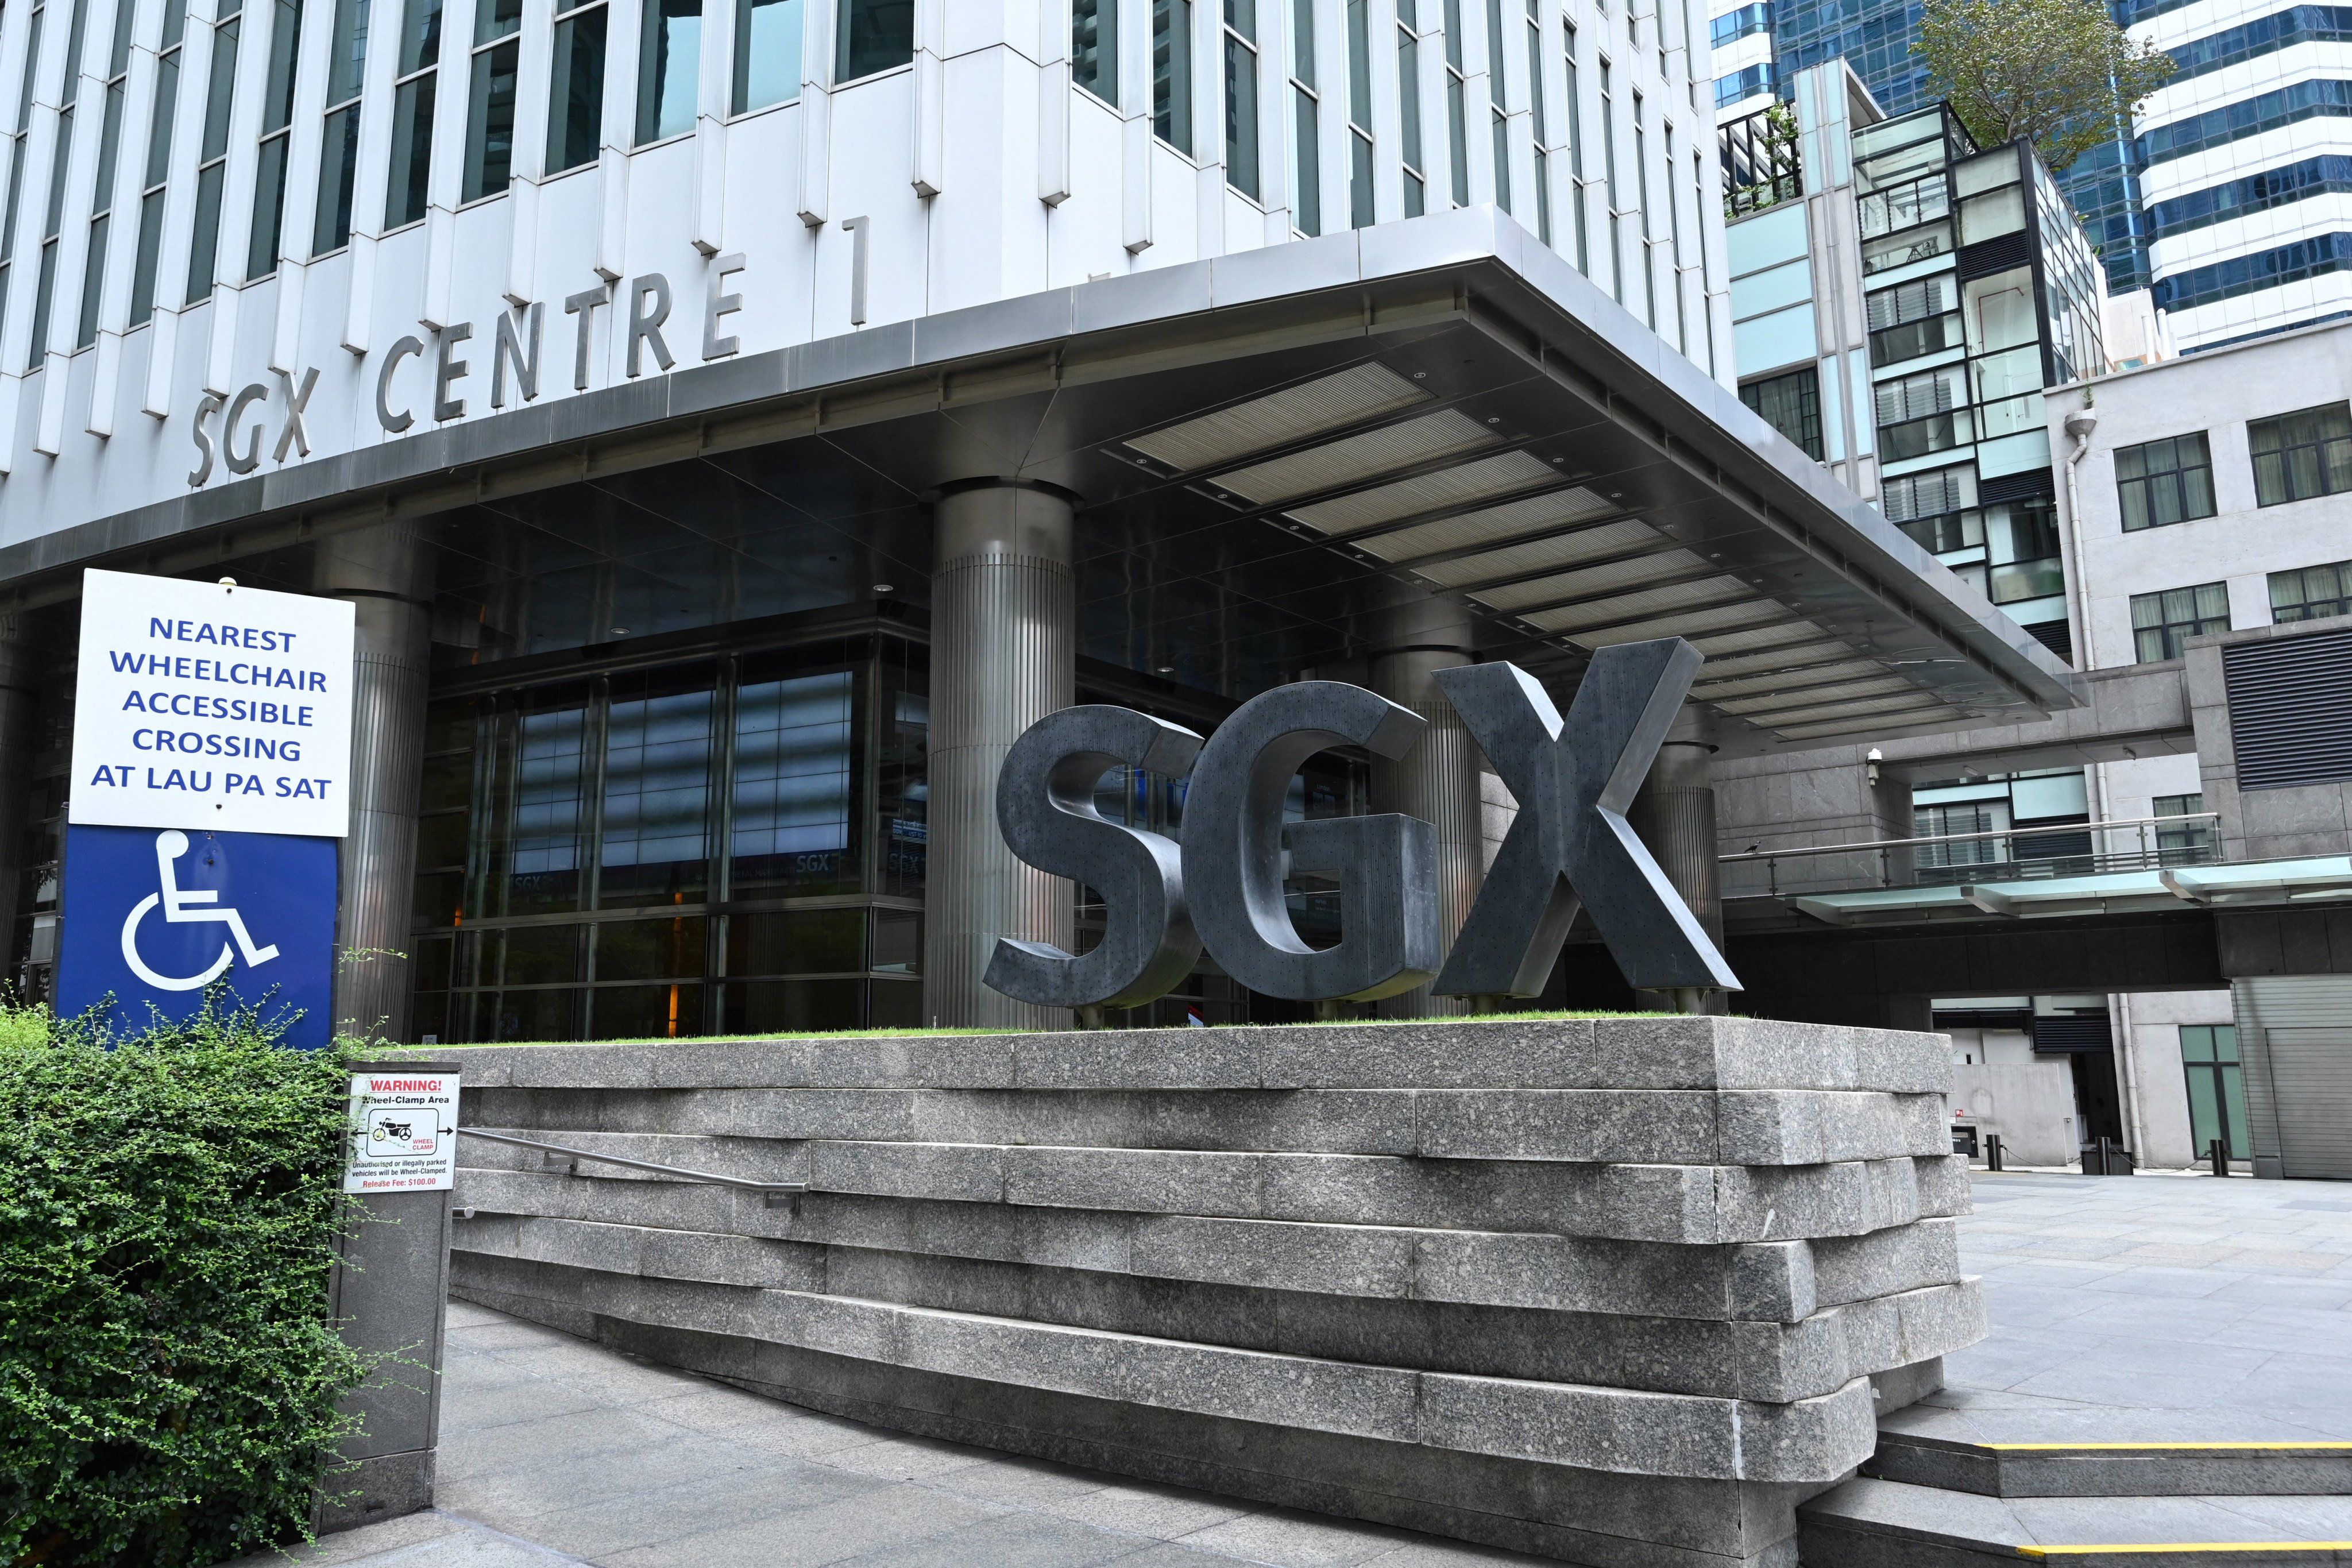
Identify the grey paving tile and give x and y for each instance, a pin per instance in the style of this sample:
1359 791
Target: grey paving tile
1293 1541
364 1545
1163 1513
896 1459
596 1528
836 1532
1010 1540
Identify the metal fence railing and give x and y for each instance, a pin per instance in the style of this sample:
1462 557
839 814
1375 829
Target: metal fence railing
2002 854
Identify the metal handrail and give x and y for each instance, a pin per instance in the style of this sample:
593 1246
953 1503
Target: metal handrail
770 1190
2033 831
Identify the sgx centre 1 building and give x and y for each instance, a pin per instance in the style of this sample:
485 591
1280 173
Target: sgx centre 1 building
736 420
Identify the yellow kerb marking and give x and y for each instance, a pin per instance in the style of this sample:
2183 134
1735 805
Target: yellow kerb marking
2191 1546
2071 1448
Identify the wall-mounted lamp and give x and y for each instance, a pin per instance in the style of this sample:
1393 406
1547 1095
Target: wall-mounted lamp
1873 759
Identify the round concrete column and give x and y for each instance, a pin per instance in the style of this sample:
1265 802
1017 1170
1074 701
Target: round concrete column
1675 814
1437 781
1004 655
387 572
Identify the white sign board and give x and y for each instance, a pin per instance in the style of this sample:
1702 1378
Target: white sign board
200 705
404 1132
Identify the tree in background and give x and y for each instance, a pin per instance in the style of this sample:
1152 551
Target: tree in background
2058 73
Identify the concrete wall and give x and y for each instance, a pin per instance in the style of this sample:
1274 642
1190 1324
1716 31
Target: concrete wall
2263 823
2029 1104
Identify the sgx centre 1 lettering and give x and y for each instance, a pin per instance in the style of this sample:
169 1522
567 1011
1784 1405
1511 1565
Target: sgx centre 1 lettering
214 706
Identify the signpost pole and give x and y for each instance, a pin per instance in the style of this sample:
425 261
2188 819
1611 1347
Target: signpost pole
391 1290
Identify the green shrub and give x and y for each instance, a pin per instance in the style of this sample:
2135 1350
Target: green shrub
170 1206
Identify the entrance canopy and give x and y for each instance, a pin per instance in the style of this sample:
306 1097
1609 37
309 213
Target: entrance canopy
1262 447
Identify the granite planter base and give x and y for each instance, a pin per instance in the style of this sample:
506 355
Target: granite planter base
1619 1291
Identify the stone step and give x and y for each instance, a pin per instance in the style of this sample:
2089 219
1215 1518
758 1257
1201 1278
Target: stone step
1695 1204
1870 1524
2187 1467
1655 1051
1770 1281
1773 1362
1766 1127
1615 1430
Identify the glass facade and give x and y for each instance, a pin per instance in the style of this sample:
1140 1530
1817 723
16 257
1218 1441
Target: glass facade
722 845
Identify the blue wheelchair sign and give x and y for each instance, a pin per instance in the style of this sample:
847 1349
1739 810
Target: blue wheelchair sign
154 916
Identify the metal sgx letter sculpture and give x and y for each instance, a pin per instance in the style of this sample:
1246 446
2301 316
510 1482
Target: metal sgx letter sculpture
1570 845
1570 842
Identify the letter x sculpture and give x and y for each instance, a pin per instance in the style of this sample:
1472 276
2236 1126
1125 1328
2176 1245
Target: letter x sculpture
1571 844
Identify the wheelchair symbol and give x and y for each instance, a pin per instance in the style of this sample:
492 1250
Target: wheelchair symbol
169 847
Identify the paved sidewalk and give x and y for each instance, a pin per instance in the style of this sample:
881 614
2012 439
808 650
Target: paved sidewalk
2153 1308
555 1450
2144 1308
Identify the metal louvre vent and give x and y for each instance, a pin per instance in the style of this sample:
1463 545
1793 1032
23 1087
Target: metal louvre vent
1783 677
1647 603
1791 702
1564 550
1605 579
1666 622
1293 414
2291 709
1460 486
1792 635
1926 710
1560 508
1360 457
2073 1032
1800 652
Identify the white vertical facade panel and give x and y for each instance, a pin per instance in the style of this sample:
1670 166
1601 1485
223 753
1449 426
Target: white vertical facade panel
301 211
529 168
1015 132
1137 164
228 316
816 110
85 88
622 32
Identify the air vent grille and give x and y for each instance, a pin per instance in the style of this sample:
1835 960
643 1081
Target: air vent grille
2291 709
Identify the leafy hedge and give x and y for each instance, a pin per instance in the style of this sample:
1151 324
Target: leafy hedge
170 1206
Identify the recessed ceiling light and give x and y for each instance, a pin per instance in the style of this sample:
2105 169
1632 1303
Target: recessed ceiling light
1167 669
620 631
882 588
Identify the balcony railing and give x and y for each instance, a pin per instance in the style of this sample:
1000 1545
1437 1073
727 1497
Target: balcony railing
2003 854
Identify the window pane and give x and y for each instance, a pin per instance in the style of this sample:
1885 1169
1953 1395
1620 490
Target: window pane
767 53
412 151
575 105
532 857
339 169
793 792
1409 98
206 243
347 55
1308 205
656 838
1171 73
420 35
489 127
278 87
1359 182
2233 1105
798 941
494 19
218 94
1241 116
269 208
669 62
652 950
875 35
2196 1042
93 277
151 245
